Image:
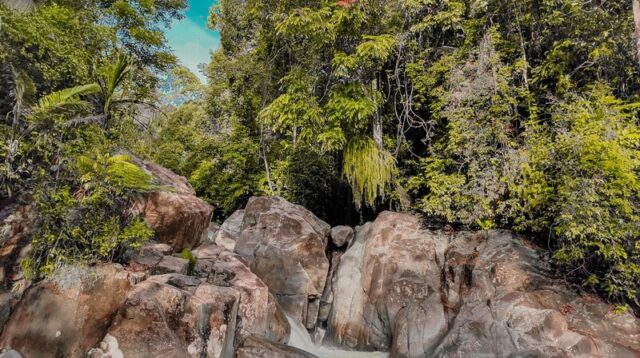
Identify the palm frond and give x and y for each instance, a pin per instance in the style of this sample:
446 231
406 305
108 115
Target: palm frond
116 75
82 120
64 100
23 92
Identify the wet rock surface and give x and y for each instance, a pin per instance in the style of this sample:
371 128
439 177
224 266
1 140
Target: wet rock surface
256 347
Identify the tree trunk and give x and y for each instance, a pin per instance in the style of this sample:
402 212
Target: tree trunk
636 20
377 122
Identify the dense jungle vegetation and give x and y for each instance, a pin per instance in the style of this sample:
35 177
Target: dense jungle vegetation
476 113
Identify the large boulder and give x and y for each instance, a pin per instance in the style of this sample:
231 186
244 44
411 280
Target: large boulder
417 292
507 303
260 313
386 292
177 216
68 314
285 244
173 316
205 315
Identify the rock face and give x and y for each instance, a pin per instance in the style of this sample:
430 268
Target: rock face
258 309
510 305
68 314
230 230
285 245
15 226
395 286
419 293
386 292
178 217
174 315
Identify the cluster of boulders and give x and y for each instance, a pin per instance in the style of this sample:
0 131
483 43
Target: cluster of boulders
423 293
393 285
202 290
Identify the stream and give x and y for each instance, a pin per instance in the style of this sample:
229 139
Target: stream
301 339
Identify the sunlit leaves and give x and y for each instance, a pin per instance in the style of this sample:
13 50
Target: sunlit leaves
369 170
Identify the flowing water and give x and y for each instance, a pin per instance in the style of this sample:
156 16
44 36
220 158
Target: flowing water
301 339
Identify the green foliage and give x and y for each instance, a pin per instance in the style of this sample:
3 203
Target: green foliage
483 110
188 255
88 225
66 100
368 169
511 114
181 86
593 172
228 178
53 45
309 179
465 175
116 173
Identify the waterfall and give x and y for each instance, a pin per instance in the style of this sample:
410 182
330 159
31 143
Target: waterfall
301 339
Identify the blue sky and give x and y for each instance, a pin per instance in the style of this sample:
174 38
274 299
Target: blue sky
190 38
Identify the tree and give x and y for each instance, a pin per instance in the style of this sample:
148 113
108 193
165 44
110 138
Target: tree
636 20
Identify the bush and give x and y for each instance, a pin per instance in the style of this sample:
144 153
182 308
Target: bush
229 175
87 224
581 183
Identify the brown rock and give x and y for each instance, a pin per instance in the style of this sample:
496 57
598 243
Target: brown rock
166 316
155 249
261 314
174 315
178 217
418 292
170 264
68 314
230 231
510 305
386 292
285 245
178 220
342 235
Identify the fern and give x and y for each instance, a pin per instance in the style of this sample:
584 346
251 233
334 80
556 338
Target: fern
368 169
117 172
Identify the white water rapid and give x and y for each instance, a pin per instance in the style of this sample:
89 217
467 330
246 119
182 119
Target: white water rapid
301 339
